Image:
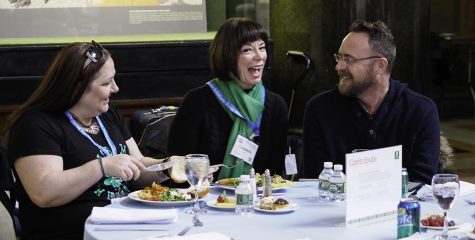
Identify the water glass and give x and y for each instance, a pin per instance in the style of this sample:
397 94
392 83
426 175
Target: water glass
196 171
445 188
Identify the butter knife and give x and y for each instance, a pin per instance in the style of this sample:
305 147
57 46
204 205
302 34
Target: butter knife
159 166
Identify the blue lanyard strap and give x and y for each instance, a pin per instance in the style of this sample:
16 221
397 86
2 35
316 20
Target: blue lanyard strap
103 150
233 109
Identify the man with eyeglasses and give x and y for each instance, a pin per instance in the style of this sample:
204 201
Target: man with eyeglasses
370 110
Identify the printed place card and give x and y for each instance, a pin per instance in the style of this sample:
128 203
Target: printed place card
373 185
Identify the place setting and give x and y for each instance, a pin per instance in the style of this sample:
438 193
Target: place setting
275 206
279 184
268 204
222 202
445 190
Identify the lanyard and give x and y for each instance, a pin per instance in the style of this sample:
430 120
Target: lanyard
233 109
103 150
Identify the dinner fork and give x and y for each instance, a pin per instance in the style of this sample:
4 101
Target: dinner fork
227 166
184 231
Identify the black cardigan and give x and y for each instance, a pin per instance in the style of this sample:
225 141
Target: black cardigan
335 125
203 126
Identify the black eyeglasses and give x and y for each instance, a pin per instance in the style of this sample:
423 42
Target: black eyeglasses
93 53
349 60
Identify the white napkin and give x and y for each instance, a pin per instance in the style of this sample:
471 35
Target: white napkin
466 188
120 215
118 200
425 193
196 236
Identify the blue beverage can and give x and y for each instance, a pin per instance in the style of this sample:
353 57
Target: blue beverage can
408 217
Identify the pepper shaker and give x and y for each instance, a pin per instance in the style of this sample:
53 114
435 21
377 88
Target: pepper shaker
267 184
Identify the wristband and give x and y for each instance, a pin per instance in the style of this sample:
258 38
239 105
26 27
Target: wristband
102 168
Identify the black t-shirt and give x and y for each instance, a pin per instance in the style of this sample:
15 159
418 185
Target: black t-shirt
44 133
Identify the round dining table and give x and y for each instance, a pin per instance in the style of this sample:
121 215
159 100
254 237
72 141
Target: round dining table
310 218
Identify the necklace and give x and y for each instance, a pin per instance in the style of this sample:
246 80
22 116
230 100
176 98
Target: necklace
92 128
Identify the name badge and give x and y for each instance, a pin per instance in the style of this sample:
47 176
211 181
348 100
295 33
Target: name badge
244 149
290 164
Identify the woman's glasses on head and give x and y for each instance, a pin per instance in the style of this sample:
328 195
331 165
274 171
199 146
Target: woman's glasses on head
93 53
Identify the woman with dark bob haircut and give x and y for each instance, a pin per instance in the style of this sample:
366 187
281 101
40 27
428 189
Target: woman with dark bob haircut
234 110
69 147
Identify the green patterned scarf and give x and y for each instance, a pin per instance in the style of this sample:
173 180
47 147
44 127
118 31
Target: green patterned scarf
251 106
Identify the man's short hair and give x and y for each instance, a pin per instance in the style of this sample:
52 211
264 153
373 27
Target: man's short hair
381 39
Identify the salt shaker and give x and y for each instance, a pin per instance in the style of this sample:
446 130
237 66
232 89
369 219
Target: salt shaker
267 184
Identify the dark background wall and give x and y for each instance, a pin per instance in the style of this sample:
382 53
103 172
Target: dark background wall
433 38
317 27
148 74
143 70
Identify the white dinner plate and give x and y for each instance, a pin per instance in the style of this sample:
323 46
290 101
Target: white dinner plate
287 182
292 207
134 196
227 187
458 223
212 204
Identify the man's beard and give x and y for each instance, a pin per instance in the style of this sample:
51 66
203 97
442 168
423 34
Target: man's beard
355 87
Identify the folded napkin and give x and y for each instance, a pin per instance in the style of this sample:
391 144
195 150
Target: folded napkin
118 200
466 188
425 193
120 215
196 236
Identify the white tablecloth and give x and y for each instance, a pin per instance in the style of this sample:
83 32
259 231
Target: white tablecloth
313 220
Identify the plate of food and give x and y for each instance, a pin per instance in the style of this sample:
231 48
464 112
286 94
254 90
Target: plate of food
277 182
161 196
222 202
271 205
436 222
218 205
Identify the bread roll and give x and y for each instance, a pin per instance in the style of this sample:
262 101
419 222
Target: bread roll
280 203
177 172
